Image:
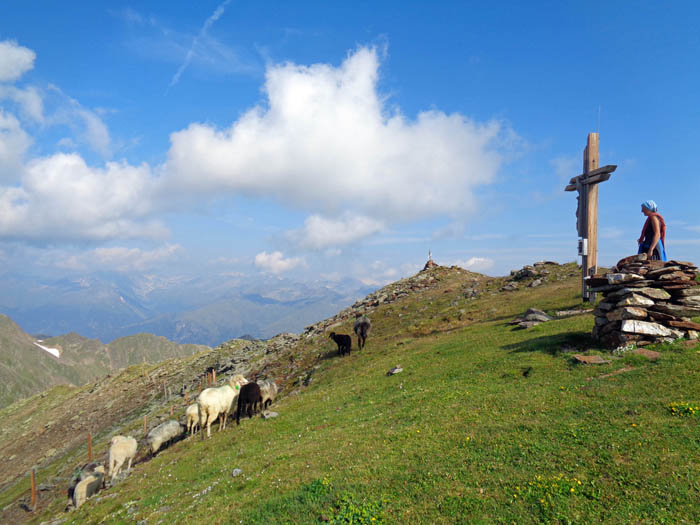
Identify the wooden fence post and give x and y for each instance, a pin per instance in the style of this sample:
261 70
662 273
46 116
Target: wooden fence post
33 476
213 373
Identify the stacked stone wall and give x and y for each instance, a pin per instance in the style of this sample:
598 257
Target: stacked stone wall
646 302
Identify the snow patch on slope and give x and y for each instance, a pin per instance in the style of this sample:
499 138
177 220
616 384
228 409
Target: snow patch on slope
53 351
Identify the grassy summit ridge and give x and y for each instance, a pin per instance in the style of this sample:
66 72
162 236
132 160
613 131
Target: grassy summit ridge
485 425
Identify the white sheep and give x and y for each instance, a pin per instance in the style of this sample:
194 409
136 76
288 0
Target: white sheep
88 486
122 449
216 402
164 433
192 416
268 390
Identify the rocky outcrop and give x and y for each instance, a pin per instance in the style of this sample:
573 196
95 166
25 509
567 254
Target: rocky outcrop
531 318
537 274
646 301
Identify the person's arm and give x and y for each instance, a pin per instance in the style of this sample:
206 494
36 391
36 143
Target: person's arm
657 235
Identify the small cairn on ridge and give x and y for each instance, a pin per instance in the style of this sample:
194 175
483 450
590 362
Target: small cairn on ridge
646 302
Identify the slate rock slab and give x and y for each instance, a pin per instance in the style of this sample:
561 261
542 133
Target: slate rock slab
649 354
590 359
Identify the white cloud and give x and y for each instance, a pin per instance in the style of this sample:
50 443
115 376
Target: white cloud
378 273
15 60
127 259
62 198
84 122
276 263
117 258
28 99
14 142
327 142
476 264
319 232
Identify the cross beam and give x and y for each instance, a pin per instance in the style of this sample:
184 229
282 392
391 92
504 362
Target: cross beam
587 212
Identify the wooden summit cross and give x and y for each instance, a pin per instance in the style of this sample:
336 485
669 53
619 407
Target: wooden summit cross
586 185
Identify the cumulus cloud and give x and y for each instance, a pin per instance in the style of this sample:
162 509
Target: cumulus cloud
320 233
63 198
14 142
276 263
327 142
477 264
15 60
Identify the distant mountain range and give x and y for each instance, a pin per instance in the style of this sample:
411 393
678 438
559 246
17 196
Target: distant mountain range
29 366
203 310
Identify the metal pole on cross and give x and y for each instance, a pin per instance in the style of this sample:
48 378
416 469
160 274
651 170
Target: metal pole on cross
586 185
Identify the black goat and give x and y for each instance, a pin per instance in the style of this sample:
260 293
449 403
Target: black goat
248 398
343 341
361 328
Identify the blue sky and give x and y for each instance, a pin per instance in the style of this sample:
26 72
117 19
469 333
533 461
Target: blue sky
327 140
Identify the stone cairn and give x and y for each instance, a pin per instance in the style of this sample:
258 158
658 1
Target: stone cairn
646 302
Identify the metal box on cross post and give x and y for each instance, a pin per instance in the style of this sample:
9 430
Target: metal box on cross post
582 247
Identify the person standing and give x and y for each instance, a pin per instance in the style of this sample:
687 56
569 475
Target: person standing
652 241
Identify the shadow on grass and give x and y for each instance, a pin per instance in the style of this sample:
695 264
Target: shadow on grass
333 354
554 344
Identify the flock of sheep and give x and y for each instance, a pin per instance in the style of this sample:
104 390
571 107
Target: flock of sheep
212 404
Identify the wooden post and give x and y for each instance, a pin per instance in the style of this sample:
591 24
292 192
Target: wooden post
213 376
89 447
145 424
171 410
33 477
590 164
586 185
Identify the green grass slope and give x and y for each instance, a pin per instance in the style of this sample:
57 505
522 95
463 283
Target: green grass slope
486 424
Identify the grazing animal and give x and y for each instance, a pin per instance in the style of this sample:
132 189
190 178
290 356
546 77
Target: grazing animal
121 450
248 399
88 486
216 402
79 475
164 434
268 391
192 416
343 341
361 328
